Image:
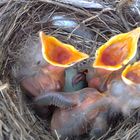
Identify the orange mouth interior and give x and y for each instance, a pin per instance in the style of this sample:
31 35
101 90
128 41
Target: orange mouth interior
131 74
118 51
115 53
58 53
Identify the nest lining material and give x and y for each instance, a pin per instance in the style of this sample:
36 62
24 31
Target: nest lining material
20 20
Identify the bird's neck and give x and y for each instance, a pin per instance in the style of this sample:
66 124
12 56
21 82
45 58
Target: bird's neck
56 70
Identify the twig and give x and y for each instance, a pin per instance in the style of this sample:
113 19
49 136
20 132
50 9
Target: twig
4 86
68 7
58 137
89 19
83 4
119 8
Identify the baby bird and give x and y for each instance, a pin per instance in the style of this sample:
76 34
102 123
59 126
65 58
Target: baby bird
97 78
125 93
48 75
77 111
85 109
48 78
111 58
124 98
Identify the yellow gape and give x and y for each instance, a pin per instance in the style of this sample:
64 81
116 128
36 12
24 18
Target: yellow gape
131 74
118 51
58 53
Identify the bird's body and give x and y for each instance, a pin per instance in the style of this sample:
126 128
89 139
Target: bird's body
80 118
45 79
125 98
111 58
44 76
34 74
76 111
98 78
43 68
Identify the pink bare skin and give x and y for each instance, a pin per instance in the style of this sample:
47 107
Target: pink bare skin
96 78
49 78
78 119
76 111
101 78
33 72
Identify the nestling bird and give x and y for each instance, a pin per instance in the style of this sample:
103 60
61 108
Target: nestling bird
125 92
100 126
50 75
81 110
77 111
111 58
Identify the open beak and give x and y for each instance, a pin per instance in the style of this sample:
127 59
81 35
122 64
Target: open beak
131 74
58 53
118 51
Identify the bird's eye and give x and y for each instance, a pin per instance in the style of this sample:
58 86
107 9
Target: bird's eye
38 62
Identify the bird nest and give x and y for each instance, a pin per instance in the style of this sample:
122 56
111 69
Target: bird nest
23 19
